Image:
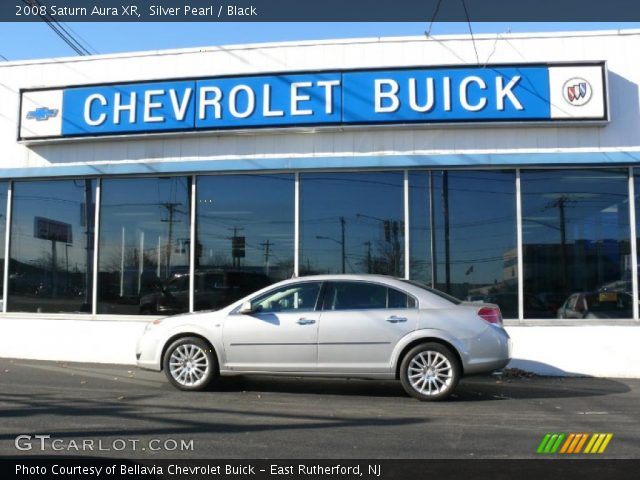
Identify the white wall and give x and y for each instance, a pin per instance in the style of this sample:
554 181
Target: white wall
617 48
599 351
70 340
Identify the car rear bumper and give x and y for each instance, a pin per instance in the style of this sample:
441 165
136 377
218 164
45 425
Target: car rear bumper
489 351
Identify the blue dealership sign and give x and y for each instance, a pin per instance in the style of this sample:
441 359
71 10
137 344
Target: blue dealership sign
128 108
515 93
447 95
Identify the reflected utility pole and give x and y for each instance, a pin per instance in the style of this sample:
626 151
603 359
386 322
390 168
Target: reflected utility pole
340 242
172 210
561 203
447 240
267 253
369 259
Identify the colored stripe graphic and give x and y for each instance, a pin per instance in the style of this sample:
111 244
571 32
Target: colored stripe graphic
574 442
598 443
550 443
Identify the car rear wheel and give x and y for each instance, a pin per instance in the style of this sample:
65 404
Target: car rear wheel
189 364
430 372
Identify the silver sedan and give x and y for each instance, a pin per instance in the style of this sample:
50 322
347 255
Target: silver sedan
358 326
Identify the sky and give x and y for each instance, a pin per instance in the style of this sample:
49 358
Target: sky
23 41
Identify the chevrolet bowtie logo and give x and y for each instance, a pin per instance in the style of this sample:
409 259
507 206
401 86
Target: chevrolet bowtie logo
42 113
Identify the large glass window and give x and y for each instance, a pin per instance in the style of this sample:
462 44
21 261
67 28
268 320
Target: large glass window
245 232
352 223
51 250
464 223
575 226
144 245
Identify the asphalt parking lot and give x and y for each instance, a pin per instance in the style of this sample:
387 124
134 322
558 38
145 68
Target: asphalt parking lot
267 417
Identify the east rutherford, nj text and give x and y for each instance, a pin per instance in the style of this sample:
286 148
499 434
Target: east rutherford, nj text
186 470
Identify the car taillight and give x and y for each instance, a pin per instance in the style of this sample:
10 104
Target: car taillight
491 315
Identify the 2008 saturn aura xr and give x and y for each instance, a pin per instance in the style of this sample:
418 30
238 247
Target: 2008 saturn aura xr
359 326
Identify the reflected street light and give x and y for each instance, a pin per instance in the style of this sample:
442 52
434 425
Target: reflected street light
341 243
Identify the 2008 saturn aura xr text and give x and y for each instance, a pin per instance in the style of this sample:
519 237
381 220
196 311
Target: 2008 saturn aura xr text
359 326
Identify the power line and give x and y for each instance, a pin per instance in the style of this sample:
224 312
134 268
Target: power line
61 31
473 40
433 18
94 51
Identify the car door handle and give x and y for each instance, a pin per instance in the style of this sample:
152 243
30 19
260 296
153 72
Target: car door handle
395 319
305 321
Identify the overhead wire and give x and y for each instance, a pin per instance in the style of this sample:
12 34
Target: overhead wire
62 32
473 40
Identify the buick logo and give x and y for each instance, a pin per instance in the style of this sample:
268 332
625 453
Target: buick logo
577 91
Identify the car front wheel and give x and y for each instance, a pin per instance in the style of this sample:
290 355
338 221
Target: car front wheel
189 364
430 372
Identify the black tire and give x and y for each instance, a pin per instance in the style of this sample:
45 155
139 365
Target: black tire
190 364
430 372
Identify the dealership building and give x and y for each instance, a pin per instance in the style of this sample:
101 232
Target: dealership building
500 168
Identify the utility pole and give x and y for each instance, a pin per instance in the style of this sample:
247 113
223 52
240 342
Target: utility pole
171 209
447 246
267 254
396 247
369 260
560 204
237 247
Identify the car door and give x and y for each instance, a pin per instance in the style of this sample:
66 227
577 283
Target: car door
360 324
281 333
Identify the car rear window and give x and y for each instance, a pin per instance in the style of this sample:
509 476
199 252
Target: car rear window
440 294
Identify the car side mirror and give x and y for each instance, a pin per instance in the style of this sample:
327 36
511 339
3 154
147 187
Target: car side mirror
246 308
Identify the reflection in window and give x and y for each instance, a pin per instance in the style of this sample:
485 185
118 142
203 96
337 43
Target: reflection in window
575 226
471 239
292 298
144 245
364 296
352 223
51 250
245 236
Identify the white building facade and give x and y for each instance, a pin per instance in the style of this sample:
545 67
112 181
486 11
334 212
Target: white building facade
507 175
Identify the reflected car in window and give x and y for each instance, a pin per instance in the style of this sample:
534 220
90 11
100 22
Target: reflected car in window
364 326
603 304
213 289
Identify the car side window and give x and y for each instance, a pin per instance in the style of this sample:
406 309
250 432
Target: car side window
364 296
397 299
299 297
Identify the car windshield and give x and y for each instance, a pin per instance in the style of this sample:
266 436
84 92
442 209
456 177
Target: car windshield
440 294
